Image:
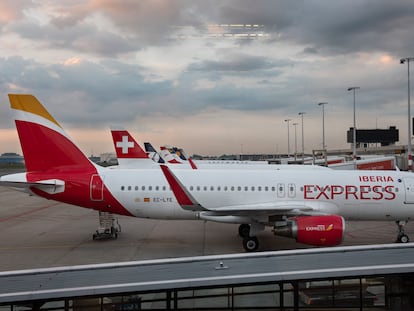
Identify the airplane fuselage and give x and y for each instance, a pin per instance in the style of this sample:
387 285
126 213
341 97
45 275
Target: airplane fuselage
362 195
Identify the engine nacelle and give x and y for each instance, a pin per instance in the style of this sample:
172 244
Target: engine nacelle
314 230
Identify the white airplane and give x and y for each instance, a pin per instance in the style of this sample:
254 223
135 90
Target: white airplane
131 155
178 155
306 204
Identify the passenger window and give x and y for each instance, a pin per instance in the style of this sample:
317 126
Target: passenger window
232 188
292 190
198 188
246 188
252 188
122 188
129 188
259 188
239 188
164 188
266 188
150 188
143 188
211 188
225 188
281 190
191 188
218 188
136 188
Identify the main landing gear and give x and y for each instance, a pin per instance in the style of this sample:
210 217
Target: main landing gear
250 243
402 237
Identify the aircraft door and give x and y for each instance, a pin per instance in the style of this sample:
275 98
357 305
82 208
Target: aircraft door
409 190
96 188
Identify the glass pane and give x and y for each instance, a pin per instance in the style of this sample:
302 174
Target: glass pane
87 304
257 296
53 305
205 298
376 287
153 301
316 294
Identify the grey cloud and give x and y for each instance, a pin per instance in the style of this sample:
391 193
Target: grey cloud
329 26
84 38
86 93
326 26
14 10
354 26
238 63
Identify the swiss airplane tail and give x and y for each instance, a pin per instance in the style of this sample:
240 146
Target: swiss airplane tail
125 145
45 144
128 151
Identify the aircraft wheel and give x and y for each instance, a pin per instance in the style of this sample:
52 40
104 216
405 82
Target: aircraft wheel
250 244
244 230
403 238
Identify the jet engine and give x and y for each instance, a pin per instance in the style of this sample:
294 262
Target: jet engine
313 230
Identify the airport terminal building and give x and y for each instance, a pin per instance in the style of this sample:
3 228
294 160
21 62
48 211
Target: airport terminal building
379 277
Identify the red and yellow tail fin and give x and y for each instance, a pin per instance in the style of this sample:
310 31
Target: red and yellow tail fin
44 143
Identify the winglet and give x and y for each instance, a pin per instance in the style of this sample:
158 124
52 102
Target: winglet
183 196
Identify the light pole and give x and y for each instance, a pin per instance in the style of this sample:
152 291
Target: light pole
409 157
288 120
296 144
353 88
303 138
323 124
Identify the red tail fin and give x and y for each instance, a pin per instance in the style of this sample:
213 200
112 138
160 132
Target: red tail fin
126 147
44 143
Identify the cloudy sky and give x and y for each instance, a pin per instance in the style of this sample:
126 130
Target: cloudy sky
214 77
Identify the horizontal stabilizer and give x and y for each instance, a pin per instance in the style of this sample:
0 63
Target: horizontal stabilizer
19 180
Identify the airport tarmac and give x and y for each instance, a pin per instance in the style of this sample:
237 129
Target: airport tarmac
37 233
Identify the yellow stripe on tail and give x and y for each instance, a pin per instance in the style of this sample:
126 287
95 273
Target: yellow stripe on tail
29 103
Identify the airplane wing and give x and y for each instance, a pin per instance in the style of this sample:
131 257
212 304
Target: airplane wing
286 208
183 196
